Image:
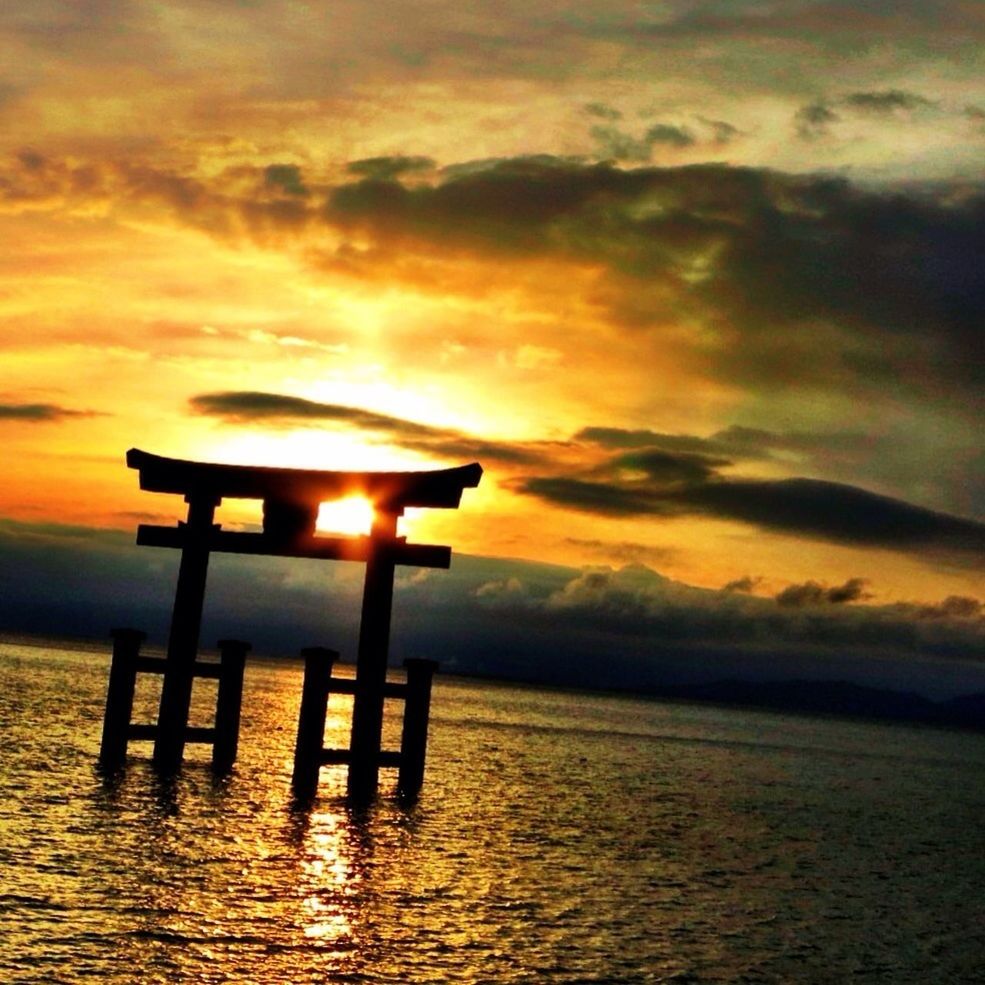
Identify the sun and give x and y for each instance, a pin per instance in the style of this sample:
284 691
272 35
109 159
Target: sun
352 515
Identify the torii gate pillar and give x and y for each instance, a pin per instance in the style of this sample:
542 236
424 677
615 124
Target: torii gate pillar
371 660
186 624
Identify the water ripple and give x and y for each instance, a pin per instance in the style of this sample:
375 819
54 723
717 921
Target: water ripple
560 838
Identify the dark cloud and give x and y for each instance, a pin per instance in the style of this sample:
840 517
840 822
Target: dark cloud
511 206
685 483
836 512
602 111
813 120
8 92
723 132
811 278
82 581
652 473
889 459
605 499
242 406
745 585
452 445
822 24
665 469
389 168
953 607
852 591
759 441
886 102
248 406
814 593
286 178
735 441
672 136
618 438
31 159
618 145
258 202
40 413
623 551
623 438
634 609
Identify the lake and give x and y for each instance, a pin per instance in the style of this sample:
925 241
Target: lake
560 837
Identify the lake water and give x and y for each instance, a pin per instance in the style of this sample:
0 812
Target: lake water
559 837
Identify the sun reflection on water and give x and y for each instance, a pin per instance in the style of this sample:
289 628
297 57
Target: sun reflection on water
330 879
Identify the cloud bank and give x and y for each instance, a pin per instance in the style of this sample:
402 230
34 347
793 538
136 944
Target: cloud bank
595 627
768 277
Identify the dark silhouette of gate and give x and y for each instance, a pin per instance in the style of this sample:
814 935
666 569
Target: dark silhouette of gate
291 498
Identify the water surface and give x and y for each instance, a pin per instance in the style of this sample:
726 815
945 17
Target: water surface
559 837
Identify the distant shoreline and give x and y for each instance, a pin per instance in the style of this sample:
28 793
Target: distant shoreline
819 698
838 699
825 698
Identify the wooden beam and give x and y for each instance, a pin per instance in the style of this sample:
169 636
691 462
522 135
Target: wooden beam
319 548
347 685
339 757
158 665
438 488
192 733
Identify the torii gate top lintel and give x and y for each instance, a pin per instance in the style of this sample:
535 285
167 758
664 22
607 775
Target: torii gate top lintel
291 498
388 491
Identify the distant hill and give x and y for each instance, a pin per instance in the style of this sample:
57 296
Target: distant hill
836 698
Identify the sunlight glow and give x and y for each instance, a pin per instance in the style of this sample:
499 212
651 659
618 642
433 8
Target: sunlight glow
306 449
352 515
329 881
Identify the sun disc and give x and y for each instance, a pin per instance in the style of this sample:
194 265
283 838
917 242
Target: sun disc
352 515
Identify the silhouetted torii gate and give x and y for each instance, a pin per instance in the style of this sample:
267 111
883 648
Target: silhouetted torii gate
291 498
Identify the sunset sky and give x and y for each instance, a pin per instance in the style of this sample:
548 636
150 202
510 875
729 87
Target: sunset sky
701 285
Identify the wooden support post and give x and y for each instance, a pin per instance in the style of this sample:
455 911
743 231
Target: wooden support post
371 661
119 697
318 662
414 739
186 622
229 703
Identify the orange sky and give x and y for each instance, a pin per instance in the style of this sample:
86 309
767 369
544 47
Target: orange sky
643 264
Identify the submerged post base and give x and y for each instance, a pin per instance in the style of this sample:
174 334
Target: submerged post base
119 729
318 663
119 697
309 751
414 739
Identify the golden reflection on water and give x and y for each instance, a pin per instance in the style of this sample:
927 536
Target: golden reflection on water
330 877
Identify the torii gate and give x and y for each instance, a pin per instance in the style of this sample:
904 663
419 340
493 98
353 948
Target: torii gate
291 498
